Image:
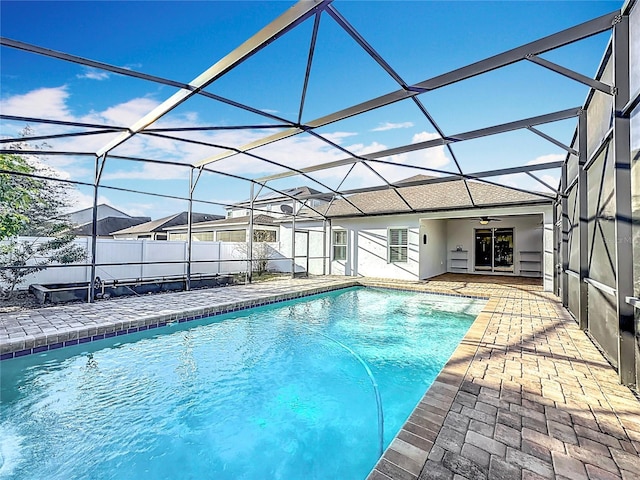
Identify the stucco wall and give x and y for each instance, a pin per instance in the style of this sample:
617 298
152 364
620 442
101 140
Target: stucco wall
527 233
367 242
433 254
367 247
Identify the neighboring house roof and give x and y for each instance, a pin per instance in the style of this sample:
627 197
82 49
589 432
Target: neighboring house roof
104 211
446 195
170 221
106 226
226 222
284 197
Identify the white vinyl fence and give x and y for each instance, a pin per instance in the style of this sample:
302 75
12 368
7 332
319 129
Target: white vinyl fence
208 258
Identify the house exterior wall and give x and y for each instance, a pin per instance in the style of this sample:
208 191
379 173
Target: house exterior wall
85 216
433 254
140 236
527 233
367 247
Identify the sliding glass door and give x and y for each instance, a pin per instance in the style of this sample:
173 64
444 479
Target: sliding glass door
484 249
494 250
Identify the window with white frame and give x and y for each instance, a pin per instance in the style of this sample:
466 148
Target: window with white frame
231 235
339 244
398 245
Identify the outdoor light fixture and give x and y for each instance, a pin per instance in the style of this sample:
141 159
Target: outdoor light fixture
486 220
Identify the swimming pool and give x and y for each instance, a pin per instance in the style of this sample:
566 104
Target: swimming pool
272 392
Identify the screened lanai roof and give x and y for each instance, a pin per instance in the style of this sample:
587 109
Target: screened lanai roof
380 94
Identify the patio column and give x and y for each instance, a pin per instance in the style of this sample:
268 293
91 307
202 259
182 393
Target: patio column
556 250
99 168
324 246
189 222
564 248
293 241
250 243
622 188
583 215
330 240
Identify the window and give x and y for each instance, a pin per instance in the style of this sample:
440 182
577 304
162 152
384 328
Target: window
202 236
398 241
339 244
196 237
232 236
264 236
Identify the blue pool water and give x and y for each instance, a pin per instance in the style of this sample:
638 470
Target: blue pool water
267 393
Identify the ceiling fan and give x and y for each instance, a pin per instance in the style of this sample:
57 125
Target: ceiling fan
485 220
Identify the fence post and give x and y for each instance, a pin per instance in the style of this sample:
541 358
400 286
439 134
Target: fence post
143 255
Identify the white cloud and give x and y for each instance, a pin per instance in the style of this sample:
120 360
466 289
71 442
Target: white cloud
525 182
149 171
50 103
361 149
337 136
553 180
424 137
123 114
93 74
78 200
297 151
552 157
434 157
392 126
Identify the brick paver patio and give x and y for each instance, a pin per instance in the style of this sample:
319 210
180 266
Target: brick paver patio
525 396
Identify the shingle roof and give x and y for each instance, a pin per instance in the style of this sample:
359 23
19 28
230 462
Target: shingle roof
433 196
101 205
170 221
107 226
276 196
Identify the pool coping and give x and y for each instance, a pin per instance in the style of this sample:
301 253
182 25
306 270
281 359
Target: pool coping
39 343
410 448
35 344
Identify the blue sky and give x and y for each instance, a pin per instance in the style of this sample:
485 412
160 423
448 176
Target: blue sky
179 40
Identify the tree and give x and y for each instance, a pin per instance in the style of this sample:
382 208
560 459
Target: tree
262 251
15 195
31 204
